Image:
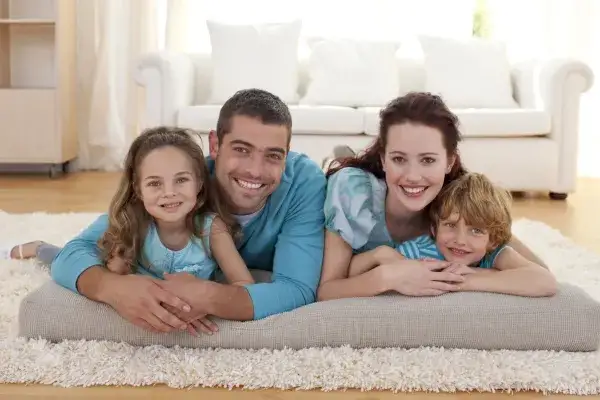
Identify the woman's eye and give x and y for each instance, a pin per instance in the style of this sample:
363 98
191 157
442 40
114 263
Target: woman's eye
182 180
428 160
153 183
398 159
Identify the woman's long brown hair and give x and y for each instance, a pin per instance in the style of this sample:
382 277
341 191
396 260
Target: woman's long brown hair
128 219
417 108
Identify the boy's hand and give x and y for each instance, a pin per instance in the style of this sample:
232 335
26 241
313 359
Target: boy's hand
461 269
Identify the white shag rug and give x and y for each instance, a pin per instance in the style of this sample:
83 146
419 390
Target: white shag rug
87 363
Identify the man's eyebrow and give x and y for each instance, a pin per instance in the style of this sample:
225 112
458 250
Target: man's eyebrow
271 149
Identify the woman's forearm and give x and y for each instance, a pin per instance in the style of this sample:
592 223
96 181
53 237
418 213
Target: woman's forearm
371 283
530 282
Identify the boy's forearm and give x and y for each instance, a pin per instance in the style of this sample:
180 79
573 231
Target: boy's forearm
524 251
520 282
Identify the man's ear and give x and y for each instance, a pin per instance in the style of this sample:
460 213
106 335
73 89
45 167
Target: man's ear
213 144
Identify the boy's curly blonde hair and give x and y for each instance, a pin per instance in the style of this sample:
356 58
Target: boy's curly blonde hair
481 203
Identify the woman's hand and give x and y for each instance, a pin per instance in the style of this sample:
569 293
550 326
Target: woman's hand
421 277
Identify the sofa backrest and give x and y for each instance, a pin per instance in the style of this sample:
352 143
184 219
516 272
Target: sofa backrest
410 70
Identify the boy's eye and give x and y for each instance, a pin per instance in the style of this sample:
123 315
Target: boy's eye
478 231
449 224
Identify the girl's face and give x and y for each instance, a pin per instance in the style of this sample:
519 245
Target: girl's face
415 164
168 185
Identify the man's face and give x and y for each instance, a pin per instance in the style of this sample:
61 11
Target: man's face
249 162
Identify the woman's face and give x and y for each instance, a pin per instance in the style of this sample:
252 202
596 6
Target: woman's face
415 164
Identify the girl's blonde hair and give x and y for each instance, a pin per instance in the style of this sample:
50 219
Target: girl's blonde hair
128 219
481 203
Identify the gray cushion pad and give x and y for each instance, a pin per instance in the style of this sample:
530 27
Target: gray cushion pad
569 321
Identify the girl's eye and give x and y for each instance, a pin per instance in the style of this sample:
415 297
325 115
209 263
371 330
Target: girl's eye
153 183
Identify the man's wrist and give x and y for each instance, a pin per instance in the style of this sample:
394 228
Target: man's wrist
226 301
95 283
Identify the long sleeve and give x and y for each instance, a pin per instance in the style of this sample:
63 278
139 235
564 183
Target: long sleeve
79 254
298 255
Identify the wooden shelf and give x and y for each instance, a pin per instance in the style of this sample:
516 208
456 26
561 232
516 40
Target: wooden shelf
26 21
37 81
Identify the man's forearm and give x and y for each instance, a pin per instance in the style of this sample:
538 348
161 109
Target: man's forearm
228 301
92 281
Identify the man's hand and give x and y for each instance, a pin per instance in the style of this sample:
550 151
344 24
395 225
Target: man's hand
189 287
141 301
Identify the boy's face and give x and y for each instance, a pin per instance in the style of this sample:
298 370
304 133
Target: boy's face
461 243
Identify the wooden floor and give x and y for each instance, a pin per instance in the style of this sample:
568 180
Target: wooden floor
577 217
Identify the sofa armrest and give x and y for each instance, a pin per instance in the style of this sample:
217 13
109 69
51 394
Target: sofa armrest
168 79
556 86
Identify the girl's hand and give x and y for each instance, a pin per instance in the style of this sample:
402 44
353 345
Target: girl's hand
421 277
204 325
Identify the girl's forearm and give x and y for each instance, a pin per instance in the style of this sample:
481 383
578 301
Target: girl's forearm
530 282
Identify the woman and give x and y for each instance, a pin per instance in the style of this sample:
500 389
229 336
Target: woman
381 197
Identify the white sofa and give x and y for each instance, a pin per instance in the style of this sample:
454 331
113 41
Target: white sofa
529 147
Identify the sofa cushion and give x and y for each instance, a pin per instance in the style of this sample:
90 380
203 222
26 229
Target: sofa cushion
305 119
484 122
568 321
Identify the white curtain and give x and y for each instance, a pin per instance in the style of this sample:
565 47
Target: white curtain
113 34
557 28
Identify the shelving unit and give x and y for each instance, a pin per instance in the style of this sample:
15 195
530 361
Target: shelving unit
38 83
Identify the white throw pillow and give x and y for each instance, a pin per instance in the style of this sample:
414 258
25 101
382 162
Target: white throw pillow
263 56
352 73
468 73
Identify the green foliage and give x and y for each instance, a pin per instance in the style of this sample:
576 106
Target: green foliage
481 24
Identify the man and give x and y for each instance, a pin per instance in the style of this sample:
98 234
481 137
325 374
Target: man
278 197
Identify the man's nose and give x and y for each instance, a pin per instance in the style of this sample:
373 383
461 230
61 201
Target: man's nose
254 167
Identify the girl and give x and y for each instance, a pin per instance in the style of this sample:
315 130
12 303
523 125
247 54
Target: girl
471 227
166 216
382 197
